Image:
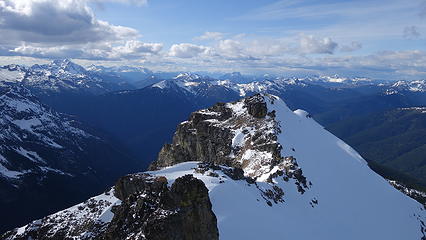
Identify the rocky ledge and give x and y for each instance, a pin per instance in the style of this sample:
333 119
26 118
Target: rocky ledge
145 207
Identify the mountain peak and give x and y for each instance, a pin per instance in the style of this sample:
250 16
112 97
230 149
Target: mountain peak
63 61
188 76
412 86
67 65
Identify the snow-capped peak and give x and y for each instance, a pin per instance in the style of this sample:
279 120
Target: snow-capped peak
334 79
66 66
412 86
59 75
188 77
315 184
189 82
118 69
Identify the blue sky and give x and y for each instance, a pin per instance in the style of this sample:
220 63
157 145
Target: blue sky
374 38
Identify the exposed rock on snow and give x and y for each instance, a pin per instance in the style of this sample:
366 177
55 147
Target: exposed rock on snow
241 135
413 193
141 206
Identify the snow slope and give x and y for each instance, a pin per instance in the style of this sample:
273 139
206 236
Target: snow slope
347 200
81 214
29 127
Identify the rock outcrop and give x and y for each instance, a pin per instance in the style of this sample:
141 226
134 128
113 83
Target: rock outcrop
241 135
144 207
217 134
199 140
152 210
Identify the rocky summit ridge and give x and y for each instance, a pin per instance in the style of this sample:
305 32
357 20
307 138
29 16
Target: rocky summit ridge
250 169
242 135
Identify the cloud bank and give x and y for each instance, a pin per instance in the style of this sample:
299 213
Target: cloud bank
70 29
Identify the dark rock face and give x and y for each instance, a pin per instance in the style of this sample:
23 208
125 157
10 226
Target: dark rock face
199 140
256 106
180 212
149 209
153 210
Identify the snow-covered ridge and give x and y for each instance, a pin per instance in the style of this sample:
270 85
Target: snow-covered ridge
341 189
65 75
56 76
418 109
94 212
344 198
412 86
28 126
12 73
192 83
118 69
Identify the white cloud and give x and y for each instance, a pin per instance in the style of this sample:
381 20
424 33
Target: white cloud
310 45
27 50
230 47
50 28
131 49
135 48
49 21
69 28
188 50
210 36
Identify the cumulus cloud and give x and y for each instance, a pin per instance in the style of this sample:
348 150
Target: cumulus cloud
309 45
353 46
210 36
230 47
135 48
49 21
132 49
51 28
187 50
411 32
